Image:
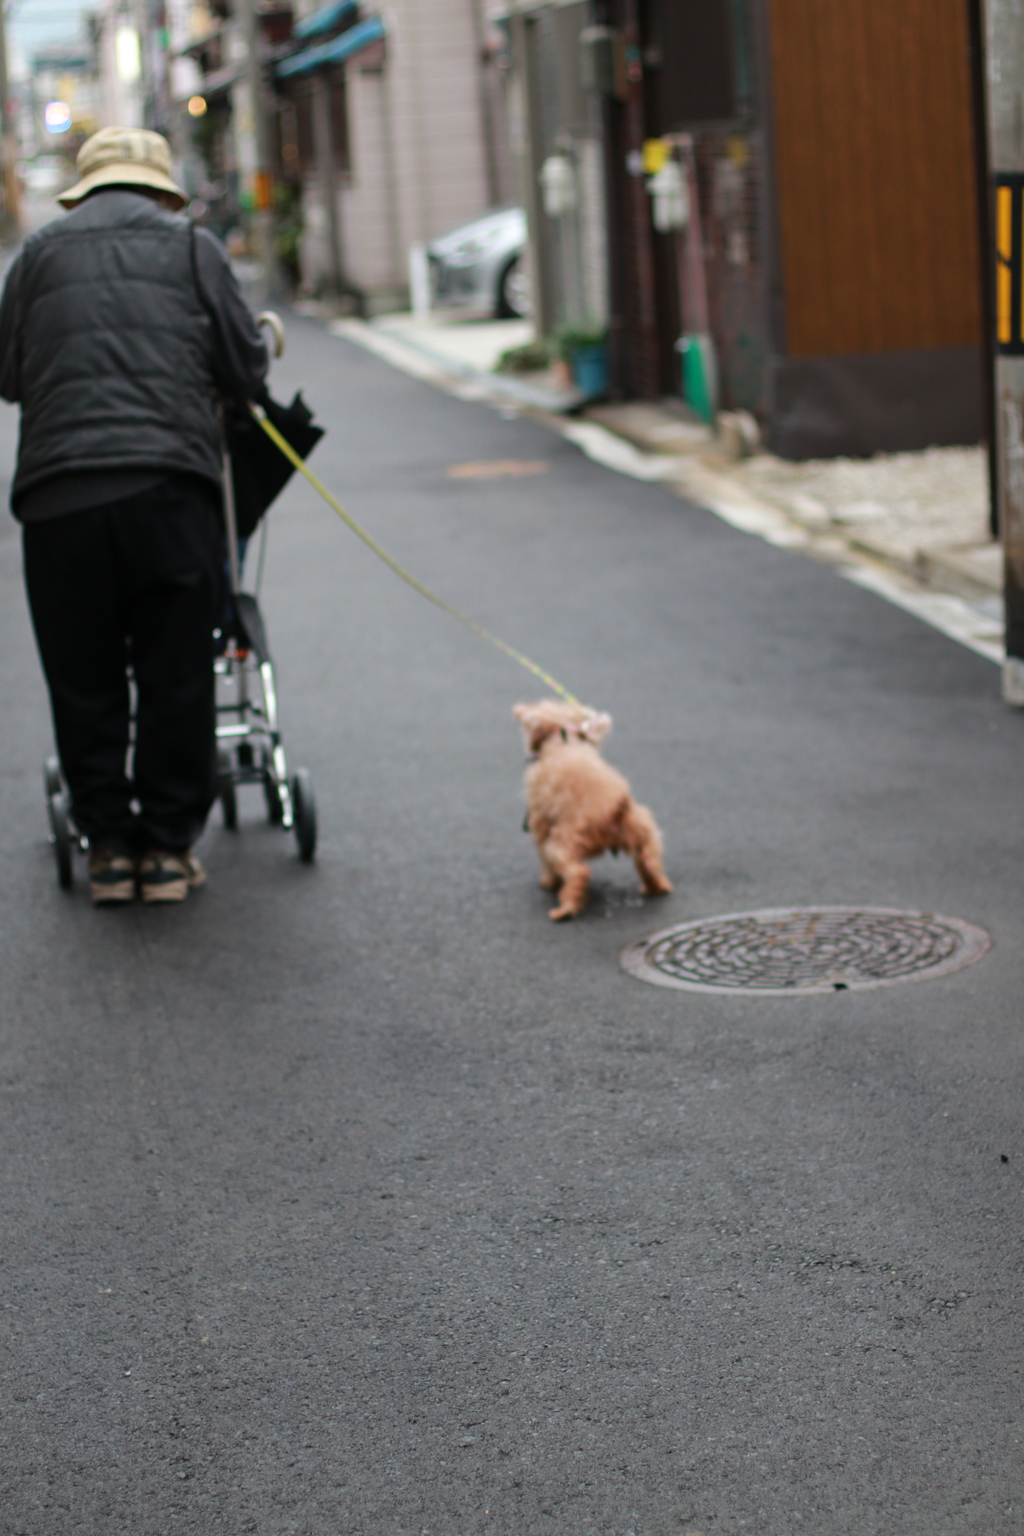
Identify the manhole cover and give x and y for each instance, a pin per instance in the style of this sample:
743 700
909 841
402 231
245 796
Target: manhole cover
786 950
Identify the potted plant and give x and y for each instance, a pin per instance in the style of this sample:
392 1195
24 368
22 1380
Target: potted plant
288 224
585 349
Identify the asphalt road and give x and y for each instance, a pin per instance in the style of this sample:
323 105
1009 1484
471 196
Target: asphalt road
362 1199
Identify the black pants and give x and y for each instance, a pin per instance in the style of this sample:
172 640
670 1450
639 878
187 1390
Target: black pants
136 581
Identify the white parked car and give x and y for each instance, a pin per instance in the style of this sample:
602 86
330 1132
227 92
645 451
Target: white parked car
481 266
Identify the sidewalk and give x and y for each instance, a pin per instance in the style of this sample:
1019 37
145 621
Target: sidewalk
449 349
912 526
925 514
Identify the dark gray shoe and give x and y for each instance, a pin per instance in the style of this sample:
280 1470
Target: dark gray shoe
165 876
111 877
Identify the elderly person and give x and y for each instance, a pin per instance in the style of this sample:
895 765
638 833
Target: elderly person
118 326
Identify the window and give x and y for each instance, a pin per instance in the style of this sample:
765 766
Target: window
689 51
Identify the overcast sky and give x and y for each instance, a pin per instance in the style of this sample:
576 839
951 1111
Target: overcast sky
33 24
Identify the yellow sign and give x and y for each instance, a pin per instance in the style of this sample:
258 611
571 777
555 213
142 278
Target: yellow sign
656 153
264 189
1009 234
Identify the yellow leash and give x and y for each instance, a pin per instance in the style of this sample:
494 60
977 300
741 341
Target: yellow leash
382 554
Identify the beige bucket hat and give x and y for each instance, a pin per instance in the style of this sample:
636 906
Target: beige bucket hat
123 157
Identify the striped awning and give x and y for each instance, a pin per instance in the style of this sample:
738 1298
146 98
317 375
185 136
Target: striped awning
372 30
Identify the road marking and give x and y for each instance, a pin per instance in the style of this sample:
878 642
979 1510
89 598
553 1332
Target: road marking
494 469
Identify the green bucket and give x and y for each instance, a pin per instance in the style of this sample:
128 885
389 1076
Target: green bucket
700 375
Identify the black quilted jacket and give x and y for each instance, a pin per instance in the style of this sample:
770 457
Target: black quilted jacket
112 342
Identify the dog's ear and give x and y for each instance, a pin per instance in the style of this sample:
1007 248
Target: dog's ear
596 728
537 724
529 717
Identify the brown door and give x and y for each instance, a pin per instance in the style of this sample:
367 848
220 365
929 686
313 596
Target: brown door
875 175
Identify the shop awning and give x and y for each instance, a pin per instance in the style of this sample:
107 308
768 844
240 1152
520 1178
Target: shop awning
325 19
372 30
200 44
221 79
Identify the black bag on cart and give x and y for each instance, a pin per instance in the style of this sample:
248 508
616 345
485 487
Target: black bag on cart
259 470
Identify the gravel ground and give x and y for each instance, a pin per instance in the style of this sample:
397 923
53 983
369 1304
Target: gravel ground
934 499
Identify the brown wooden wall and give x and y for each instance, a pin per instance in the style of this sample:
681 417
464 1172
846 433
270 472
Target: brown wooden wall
875 174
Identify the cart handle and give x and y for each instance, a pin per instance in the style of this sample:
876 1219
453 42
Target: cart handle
275 325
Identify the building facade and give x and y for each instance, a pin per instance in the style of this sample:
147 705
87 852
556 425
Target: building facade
390 116
388 124
824 233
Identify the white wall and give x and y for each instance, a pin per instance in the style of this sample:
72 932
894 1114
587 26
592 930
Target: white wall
417 140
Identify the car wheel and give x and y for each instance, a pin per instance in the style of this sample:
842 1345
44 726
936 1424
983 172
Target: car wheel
514 292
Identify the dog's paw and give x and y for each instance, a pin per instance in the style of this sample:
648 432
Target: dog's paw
660 887
561 914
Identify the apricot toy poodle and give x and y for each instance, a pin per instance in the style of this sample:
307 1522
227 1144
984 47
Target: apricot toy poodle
577 806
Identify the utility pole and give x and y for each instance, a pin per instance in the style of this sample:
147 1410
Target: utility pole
323 146
10 218
529 156
263 176
1004 47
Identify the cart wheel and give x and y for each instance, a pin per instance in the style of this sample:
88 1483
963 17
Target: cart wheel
51 777
229 805
226 791
275 815
61 840
304 805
